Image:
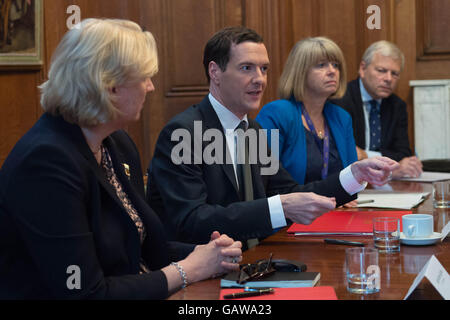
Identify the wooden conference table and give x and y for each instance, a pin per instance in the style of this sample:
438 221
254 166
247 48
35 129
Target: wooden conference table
398 270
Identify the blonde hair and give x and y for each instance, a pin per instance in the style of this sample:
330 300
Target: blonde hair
386 49
304 55
91 59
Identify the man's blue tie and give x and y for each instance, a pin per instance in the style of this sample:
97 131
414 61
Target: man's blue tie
375 126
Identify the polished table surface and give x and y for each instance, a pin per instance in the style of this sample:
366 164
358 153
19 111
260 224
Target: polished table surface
398 270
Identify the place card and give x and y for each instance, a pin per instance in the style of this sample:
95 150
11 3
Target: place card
445 231
437 275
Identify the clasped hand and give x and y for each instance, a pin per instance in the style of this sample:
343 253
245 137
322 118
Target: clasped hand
221 255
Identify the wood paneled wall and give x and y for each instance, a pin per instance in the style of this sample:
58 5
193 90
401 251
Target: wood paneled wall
182 27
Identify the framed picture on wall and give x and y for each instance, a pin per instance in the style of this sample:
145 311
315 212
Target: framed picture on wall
21 29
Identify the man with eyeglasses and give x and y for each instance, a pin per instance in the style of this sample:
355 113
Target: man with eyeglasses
380 120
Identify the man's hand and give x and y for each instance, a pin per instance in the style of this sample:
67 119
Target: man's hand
305 207
410 167
376 170
362 154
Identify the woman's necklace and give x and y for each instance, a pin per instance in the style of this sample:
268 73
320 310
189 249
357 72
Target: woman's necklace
320 134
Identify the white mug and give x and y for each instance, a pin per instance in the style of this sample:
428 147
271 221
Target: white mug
417 225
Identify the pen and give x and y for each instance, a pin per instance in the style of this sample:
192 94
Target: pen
364 201
248 289
246 294
344 242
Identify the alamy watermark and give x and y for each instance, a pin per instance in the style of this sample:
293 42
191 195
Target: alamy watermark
374 279
374 20
191 150
73 21
74 278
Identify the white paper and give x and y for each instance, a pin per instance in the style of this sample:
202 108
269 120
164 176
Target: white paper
391 200
437 275
445 231
427 176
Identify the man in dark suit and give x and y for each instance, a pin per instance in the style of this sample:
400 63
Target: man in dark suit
380 120
193 195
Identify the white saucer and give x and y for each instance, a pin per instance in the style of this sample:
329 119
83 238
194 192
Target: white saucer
435 237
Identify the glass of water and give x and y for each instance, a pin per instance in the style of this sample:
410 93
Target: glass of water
363 271
386 234
441 194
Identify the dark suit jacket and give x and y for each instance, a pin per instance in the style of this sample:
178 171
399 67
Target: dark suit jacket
193 200
57 210
394 122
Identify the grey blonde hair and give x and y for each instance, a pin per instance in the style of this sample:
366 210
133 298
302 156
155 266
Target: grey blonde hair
386 49
303 56
90 60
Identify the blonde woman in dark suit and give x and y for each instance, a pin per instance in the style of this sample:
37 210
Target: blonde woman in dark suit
73 220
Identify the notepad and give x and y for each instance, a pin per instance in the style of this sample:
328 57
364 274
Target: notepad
343 223
275 280
397 200
313 293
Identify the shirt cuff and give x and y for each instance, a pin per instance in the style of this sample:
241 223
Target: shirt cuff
349 183
276 212
371 154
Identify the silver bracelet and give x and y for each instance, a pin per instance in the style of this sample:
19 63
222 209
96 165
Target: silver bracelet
182 274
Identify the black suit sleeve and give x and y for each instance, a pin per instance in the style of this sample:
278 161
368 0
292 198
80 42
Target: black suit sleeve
396 145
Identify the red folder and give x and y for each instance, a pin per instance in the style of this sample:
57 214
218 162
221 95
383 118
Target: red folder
309 293
344 222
